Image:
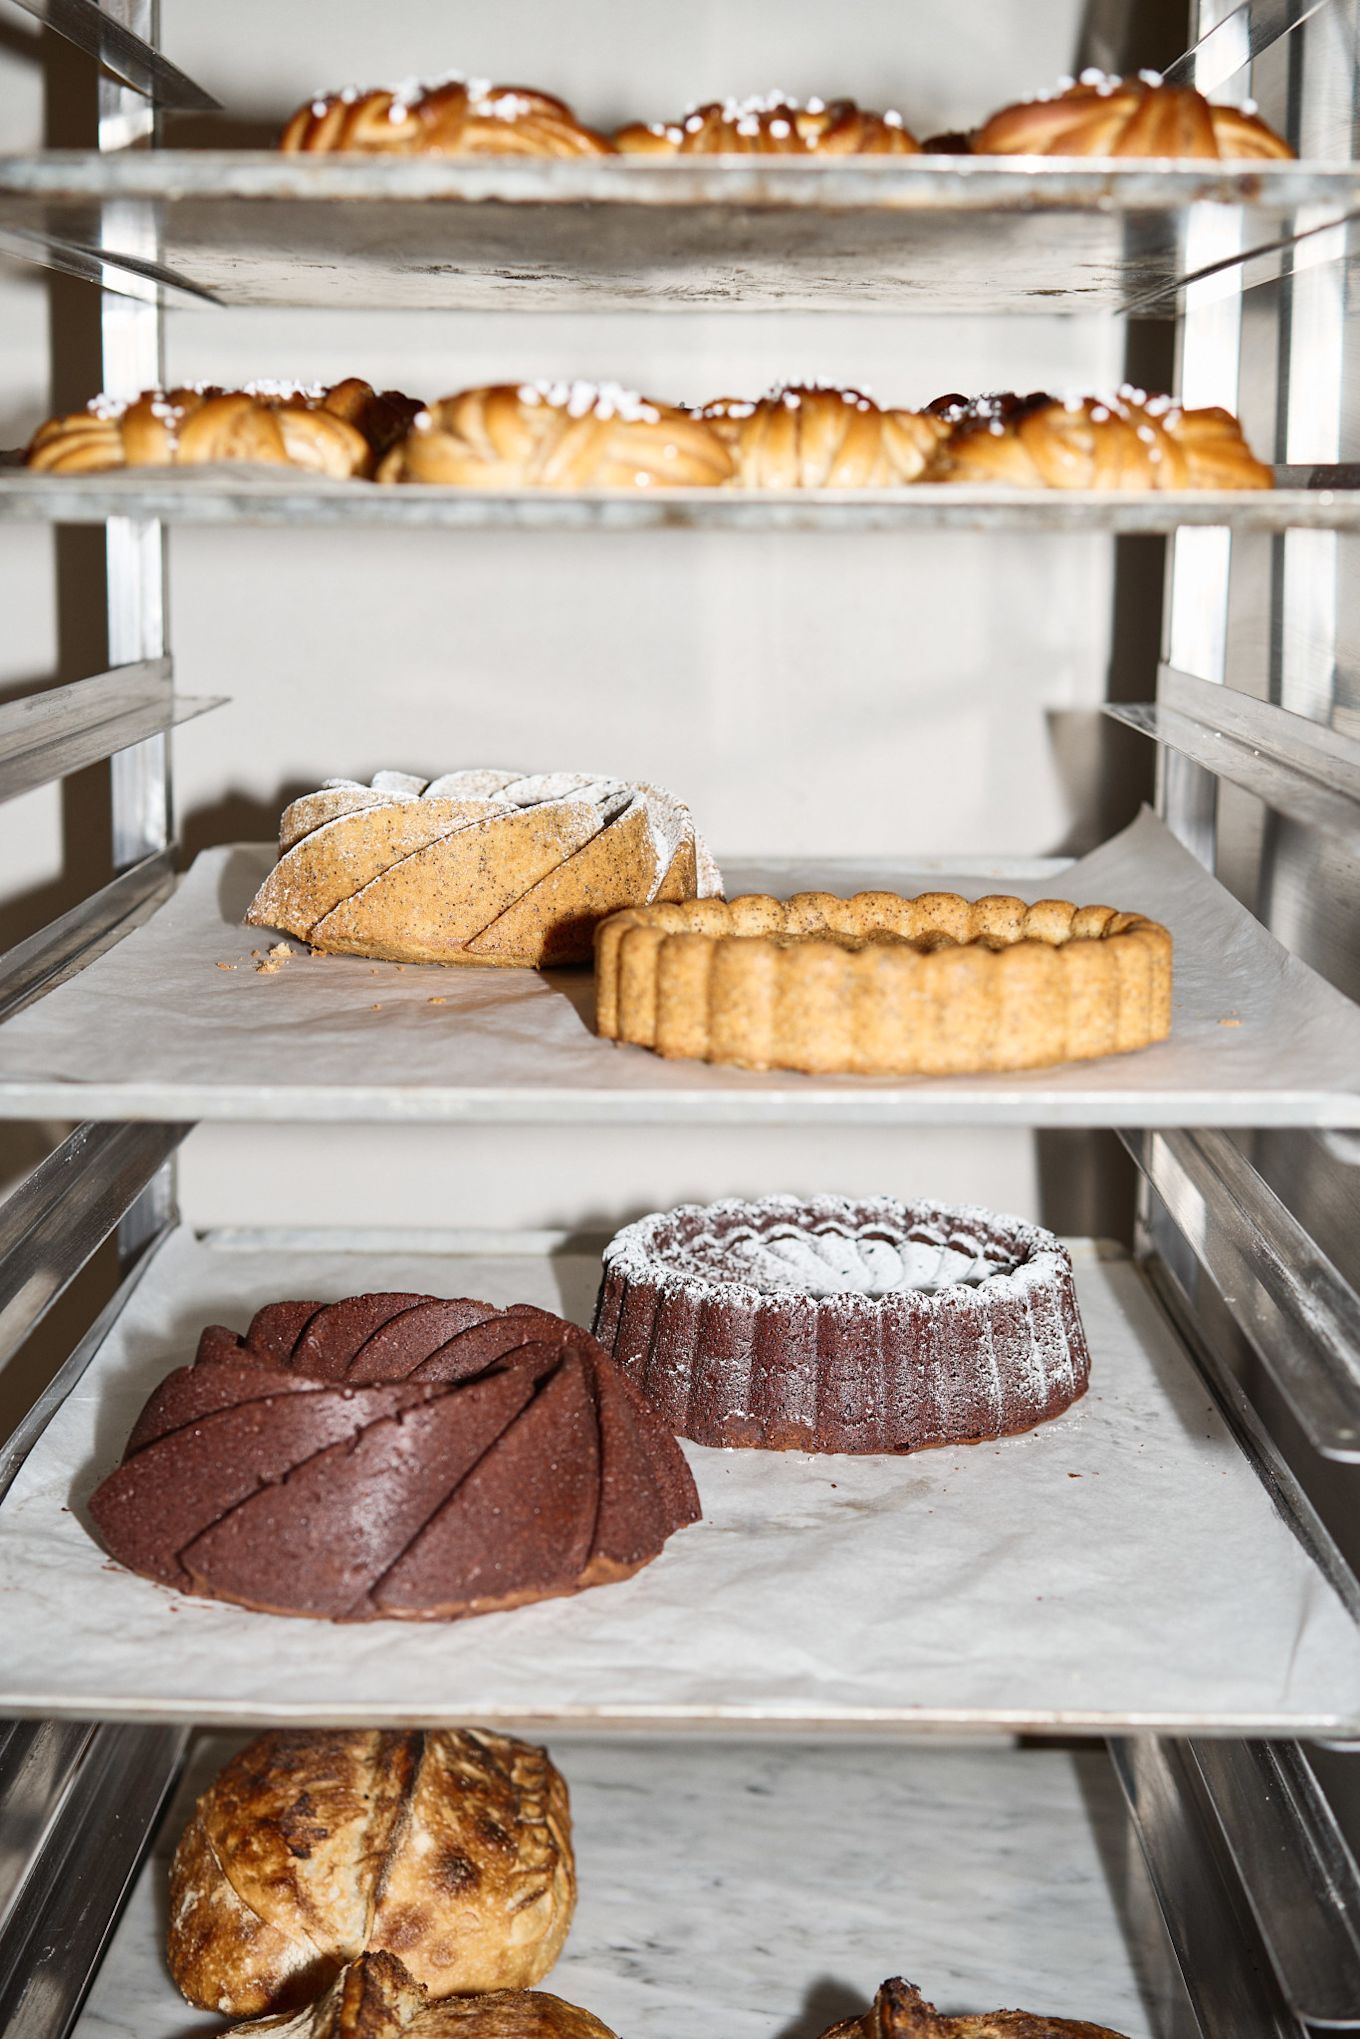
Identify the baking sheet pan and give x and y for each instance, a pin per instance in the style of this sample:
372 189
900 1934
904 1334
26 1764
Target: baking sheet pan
176 1022
765 1890
1122 1566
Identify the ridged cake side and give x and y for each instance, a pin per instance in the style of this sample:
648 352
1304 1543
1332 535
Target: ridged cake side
784 1324
879 985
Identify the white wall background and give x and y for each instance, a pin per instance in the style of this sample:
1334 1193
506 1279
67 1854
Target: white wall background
805 694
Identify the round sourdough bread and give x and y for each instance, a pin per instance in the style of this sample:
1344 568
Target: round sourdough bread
311 1848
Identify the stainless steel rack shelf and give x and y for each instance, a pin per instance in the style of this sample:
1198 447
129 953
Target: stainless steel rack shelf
924 233
1125 1601
177 1023
1314 499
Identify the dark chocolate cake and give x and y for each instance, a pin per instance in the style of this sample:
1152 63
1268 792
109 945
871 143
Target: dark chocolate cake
826 1325
394 1455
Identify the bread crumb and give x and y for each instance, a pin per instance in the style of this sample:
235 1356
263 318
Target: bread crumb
269 965
1230 1023
225 966
375 1008
436 1001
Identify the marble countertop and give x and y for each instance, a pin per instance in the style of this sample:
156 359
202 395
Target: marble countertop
760 1890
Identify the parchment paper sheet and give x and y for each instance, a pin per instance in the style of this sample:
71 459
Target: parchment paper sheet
176 1022
1120 1565
746 1890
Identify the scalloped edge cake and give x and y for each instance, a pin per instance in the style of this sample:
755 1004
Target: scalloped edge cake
831 1325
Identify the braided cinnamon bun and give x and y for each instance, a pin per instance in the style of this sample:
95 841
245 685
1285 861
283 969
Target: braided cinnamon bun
558 436
774 125
340 431
807 437
1103 116
453 116
1130 441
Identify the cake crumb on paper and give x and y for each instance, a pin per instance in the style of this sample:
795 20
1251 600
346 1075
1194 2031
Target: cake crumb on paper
270 964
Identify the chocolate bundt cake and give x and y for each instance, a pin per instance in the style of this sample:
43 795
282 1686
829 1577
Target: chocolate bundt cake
827 1325
394 1455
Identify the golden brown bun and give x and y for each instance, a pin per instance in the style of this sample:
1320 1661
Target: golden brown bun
558 436
340 431
377 1998
899 2011
774 126
879 985
803 437
1127 117
451 1847
477 867
458 117
1125 442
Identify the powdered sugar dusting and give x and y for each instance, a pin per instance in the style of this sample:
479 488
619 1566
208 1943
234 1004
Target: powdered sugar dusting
830 1325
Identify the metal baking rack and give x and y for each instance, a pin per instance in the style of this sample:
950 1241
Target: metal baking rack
1245 1238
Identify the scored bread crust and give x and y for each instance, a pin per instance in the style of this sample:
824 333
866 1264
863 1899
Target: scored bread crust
1125 442
377 1998
452 1848
808 437
899 2011
341 431
773 126
558 436
453 117
881 985
477 867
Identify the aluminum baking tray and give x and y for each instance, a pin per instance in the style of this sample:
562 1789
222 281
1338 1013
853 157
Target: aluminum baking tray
1138 1562
750 1890
177 1022
1326 499
939 233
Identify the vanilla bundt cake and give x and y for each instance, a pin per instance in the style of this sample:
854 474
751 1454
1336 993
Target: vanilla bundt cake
830 1325
879 985
476 866
1099 115
451 116
899 2011
558 435
771 125
377 1998
394 1455
313 1847
342 431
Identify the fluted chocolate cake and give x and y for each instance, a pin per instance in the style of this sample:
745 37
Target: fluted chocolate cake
394 1455
830 1325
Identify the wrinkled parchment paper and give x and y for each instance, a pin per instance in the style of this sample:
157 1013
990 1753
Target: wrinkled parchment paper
1122 1564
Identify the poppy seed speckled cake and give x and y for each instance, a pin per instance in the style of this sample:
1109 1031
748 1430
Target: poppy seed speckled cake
839 1326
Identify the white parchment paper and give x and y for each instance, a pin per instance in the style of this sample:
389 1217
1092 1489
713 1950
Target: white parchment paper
177 1022
1120 1565
750 1891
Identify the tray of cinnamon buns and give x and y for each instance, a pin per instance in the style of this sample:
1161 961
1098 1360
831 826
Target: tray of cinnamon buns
544 453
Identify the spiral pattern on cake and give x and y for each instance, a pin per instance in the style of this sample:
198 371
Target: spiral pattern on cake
397 1455
840 1326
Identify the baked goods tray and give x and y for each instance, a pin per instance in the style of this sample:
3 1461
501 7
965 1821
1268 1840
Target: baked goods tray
1135 1562
747 1890
179 1022
1326 499
940 233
